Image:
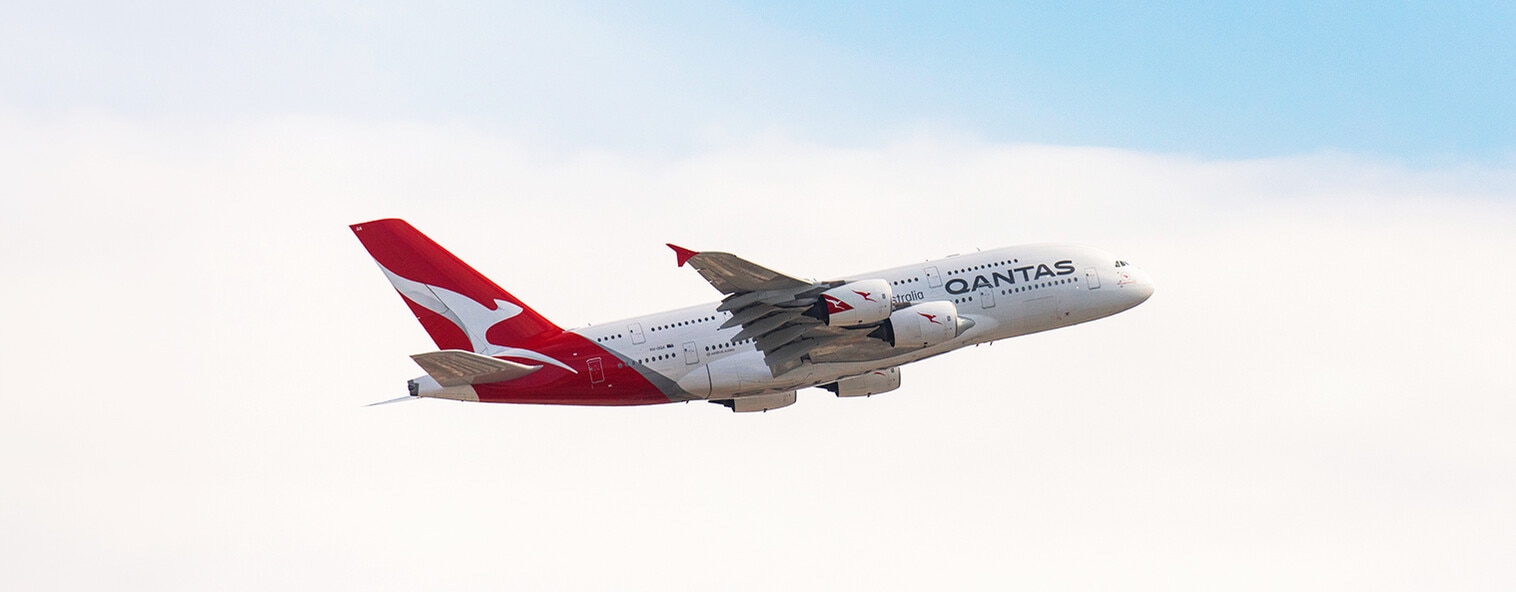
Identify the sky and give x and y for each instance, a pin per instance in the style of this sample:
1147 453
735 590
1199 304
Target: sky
1317 397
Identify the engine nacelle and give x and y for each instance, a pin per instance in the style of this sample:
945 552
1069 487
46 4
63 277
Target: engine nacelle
859 303
873 383
759 402
922 325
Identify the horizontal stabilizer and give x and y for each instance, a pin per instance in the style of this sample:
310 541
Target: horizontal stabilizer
455 367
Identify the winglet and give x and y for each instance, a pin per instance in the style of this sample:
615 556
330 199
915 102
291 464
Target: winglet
682 254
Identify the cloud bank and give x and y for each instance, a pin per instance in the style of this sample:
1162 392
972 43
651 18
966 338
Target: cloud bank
1317 396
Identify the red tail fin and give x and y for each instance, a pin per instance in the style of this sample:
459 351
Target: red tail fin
458 306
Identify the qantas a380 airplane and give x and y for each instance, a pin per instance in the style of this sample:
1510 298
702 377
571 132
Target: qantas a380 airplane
771 335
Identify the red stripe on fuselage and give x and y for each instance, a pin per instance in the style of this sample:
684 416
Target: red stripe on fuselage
623 385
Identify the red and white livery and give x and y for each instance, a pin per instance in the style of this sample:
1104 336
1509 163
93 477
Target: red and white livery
771 334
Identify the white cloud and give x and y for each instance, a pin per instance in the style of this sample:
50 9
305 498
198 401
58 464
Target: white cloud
1316 397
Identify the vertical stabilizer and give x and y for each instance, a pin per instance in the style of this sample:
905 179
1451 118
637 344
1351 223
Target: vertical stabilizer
459 307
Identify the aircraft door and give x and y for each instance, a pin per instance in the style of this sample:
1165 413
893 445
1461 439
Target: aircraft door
690 355
1091 278
986 297
636 330
933 279
597 370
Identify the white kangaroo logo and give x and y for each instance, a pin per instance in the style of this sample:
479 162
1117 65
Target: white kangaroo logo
470 316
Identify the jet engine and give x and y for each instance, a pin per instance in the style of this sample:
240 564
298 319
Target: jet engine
873 383
850 305
922 325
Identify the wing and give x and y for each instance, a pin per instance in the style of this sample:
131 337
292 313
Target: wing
776 311
731 274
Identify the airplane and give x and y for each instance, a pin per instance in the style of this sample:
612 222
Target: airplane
770 335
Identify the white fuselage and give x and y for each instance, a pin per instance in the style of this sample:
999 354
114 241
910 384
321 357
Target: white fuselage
1004 292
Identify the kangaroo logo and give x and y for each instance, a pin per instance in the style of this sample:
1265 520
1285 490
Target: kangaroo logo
931 318
866 295
472 318
835 305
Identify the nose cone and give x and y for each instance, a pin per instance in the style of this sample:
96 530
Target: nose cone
1137 284
1144 285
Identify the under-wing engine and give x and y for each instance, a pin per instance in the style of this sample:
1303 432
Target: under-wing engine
922 325
758 402
850 305
873 383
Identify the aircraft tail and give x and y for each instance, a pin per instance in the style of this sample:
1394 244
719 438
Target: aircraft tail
459 307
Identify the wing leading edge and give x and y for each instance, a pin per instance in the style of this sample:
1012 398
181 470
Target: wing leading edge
770 307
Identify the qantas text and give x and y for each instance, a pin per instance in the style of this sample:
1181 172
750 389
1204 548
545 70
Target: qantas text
1028 273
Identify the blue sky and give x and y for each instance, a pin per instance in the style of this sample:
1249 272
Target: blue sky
1209 78
1415 82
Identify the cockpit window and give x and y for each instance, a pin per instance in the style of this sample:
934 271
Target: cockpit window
1122 264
